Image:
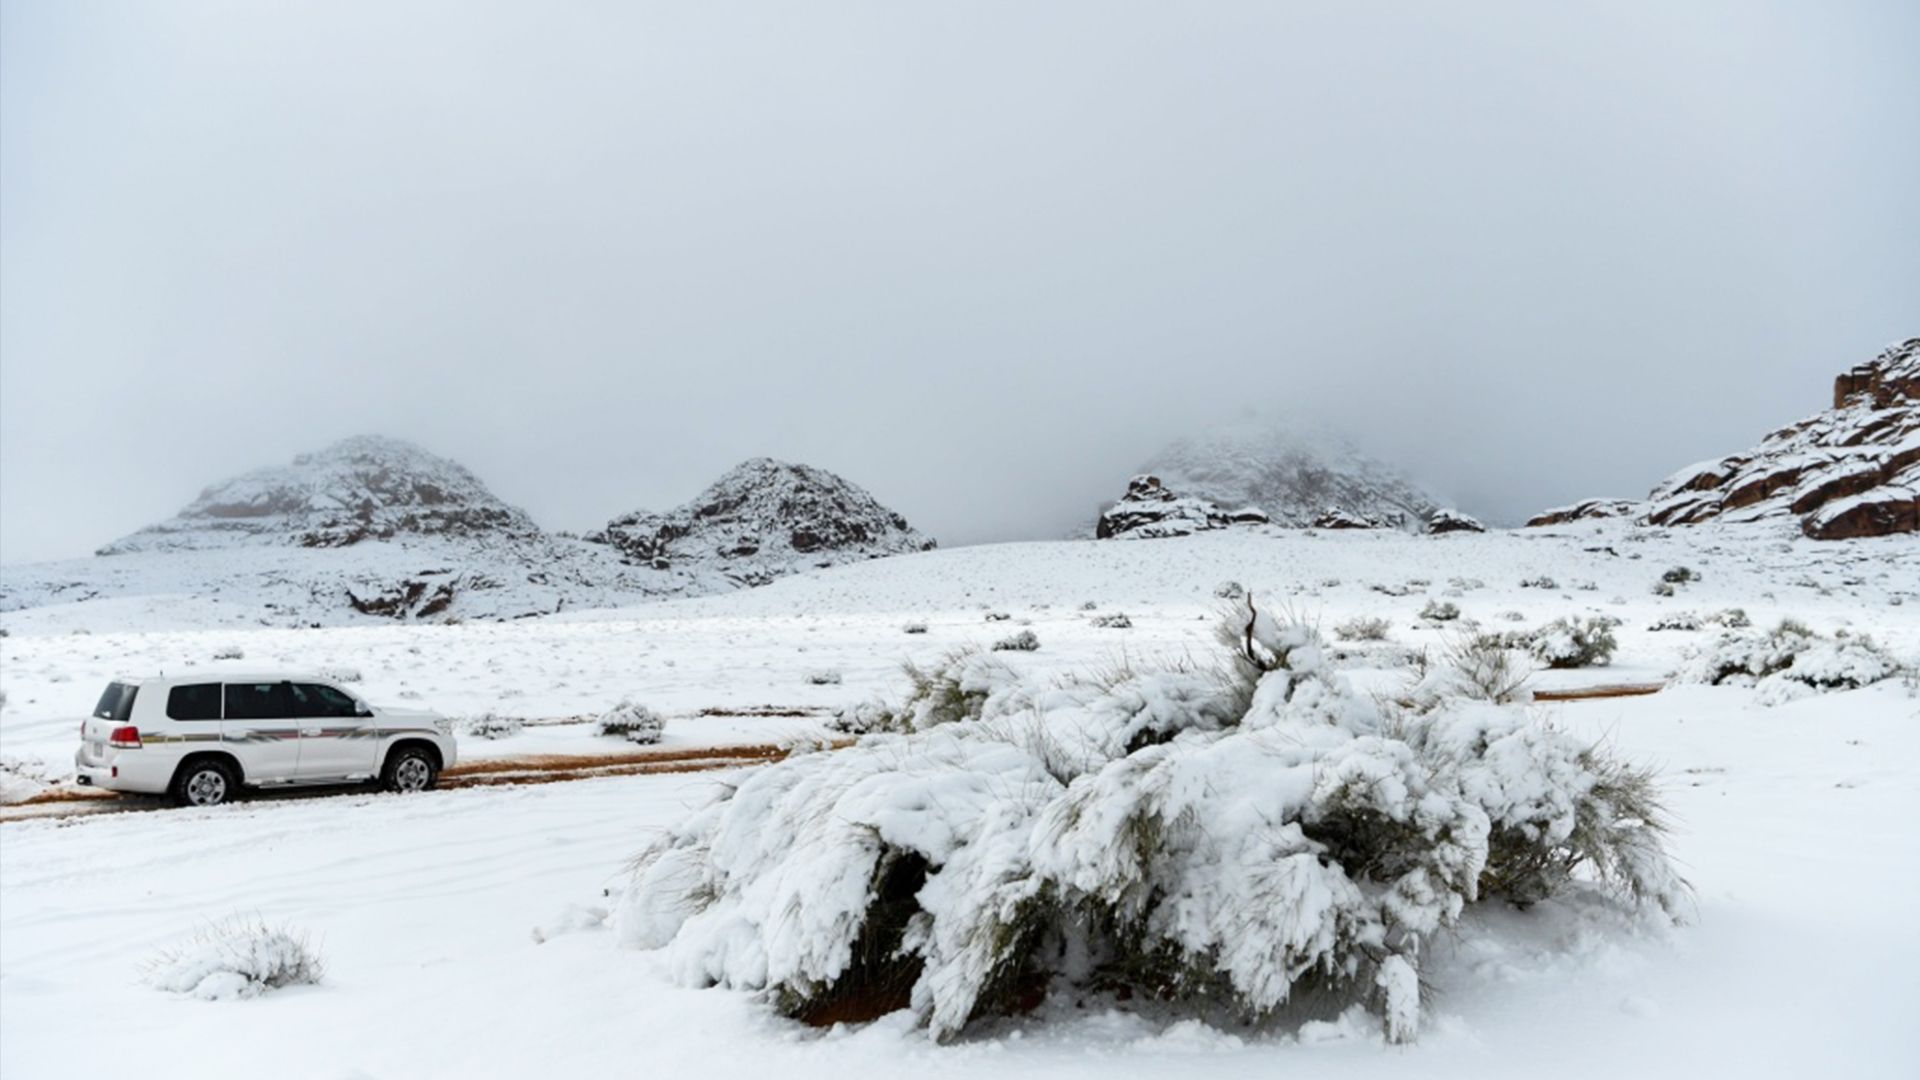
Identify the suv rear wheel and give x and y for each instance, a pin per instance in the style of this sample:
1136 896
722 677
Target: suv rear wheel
409 769
207 782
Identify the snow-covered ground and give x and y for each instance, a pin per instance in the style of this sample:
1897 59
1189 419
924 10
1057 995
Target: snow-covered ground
1796 823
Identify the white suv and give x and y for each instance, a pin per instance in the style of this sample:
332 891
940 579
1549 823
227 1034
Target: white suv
199 738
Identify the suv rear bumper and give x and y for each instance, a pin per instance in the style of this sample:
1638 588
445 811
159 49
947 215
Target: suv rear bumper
140 777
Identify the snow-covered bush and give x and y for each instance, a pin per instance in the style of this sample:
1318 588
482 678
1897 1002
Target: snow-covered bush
1679 575
1233 590
1362 628
1024 641
1541 582
491 725
823 677
1440 611
342 674
1679 620
998 616
229 652
1789 661
1576 643
1662 588
1112 621
914 628
1732 618
237 957
632 722
1216 841
1484 667
864 718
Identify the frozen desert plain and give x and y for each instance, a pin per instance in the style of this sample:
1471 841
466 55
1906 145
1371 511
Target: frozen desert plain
461 929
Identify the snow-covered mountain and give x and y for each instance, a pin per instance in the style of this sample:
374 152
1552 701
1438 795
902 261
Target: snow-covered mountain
762 520
380 527
364 488
1852 470
1292 475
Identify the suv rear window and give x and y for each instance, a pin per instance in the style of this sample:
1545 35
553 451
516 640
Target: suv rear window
117 703
195 701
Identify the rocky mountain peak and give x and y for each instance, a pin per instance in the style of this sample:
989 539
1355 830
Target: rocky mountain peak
364 488
763 519
1292 474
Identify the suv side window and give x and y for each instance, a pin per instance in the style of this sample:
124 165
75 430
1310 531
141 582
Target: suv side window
316 699
256 701
194 701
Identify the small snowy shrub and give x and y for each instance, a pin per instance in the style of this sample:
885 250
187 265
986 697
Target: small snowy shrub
634 723
1484 667
1114 621
1732 618
1789 661
1662 588
1679 575
341 674
998 616
1679 620
491 725
229 652
1440 611
1233 590
1541 582
914 628
823 677
1217 842
238 957
1575 643
865 718
1024 641
1362 628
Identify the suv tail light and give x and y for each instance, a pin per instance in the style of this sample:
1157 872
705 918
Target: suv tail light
126 737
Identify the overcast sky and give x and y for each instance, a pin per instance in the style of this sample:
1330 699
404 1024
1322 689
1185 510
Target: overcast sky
980 258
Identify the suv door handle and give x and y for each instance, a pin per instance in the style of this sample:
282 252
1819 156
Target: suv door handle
310 732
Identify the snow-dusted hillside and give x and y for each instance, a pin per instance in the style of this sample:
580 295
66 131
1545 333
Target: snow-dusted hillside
359 489
1293 475
376 528
762 520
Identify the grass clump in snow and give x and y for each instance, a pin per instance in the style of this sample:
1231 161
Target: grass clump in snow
632 722
1116 620
1362 628
491 725
1575 643
1024 641
1224 842
1440 611
237 957
1789 661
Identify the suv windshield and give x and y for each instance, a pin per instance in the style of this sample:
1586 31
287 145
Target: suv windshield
117 703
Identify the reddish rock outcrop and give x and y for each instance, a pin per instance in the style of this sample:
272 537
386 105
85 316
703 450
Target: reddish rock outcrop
1851 471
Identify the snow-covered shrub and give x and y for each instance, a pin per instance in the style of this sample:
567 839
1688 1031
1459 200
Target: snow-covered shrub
1089 606
865 718
1679 620
1233 590
1541 582
914 628
1732 618
1215 841
1789 661
1576 643
229 652
823 677
1440 611
1662 588
1483 667
1362 628
632 722
237 957
1024 641
1679 575
1113 621
998 616
491 725
341 674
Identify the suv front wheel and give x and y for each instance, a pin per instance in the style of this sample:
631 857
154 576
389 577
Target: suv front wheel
409 769
207 782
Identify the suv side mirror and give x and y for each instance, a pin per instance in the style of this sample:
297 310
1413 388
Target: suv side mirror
361 708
